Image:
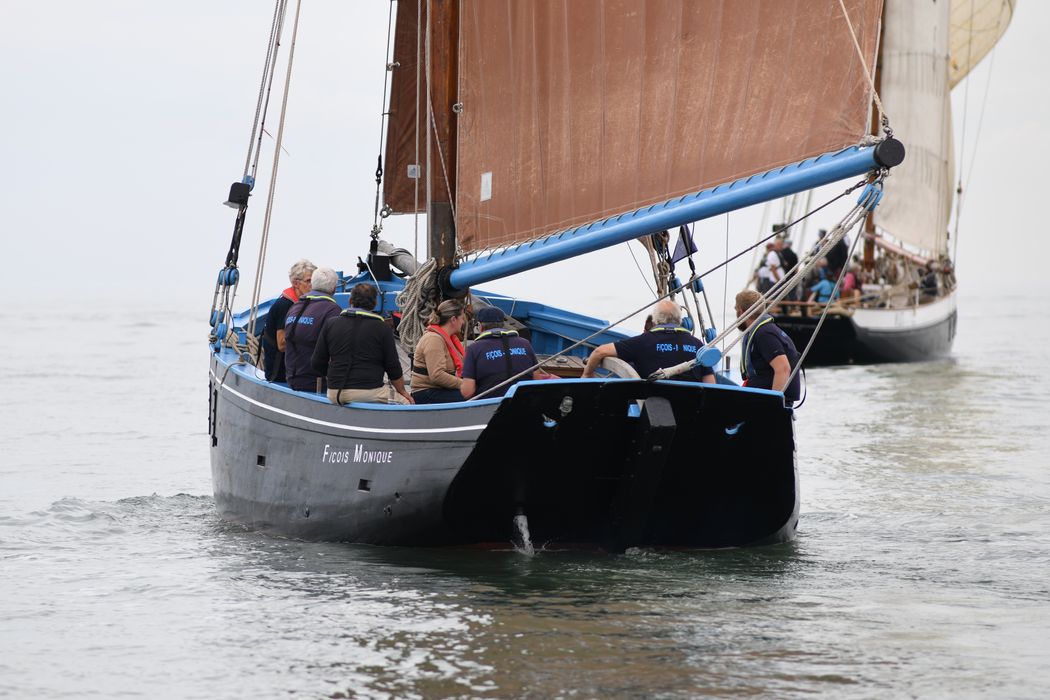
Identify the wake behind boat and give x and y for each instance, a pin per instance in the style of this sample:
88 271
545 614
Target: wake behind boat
514 178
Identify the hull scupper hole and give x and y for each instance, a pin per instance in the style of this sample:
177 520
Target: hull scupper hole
364 485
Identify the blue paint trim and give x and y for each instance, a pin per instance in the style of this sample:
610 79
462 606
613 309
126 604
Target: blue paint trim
756 189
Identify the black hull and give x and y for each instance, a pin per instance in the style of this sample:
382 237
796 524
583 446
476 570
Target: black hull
698 466
848 340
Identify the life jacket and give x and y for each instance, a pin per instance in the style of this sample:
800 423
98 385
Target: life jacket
360 313
745 356
504 337
290 294
668 328
454 347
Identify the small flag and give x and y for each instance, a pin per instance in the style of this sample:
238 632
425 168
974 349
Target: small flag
685 246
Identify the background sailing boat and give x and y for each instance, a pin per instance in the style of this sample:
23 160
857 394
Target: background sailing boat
908 308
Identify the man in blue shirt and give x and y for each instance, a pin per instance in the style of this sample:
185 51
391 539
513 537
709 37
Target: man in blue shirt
767 353
302 327
495 356
664 345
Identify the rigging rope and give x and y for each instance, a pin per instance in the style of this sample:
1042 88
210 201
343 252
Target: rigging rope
671 292
823 314
388 66
256 292
265 84
884 119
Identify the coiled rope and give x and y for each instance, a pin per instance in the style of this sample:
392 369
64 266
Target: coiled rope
417 301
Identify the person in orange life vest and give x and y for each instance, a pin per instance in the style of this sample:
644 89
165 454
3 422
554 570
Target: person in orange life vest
767 353
273 331
437 362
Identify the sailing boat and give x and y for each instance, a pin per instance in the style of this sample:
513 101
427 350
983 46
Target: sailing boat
546 130
908 310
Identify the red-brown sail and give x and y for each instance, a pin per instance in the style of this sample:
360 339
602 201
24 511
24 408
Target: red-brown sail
577 110
399 190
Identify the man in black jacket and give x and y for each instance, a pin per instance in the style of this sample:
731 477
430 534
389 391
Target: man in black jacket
355 349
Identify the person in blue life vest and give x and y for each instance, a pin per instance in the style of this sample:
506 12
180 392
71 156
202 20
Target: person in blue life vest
496 355
355 349
302 326
767 353
273 332
665 344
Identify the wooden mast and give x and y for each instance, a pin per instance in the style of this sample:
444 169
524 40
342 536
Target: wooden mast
441 168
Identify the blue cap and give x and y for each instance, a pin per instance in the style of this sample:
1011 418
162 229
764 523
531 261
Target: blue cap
490 314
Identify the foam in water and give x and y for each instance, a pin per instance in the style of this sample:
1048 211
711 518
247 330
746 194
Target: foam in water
522 540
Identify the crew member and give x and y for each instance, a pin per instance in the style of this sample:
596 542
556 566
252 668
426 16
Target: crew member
768 355
664 345
355 349
438 358
302 327
273 331
496 355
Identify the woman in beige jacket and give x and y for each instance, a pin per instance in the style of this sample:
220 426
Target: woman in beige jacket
438 359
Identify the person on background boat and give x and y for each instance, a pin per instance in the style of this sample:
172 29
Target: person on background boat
302 327
768 356
664 345
928 284
273 331
496 355
355 349
851 284
770 273
821 291
788 261
438 359
838 256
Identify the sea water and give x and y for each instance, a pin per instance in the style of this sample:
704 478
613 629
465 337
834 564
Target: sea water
922 566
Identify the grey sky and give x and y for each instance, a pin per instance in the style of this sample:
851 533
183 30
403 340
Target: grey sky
125 122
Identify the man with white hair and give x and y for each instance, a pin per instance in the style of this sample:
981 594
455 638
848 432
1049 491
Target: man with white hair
665 344
302 327
273 331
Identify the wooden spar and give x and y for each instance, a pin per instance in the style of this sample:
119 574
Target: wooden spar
441 171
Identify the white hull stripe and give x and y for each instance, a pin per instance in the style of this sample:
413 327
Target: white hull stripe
351 428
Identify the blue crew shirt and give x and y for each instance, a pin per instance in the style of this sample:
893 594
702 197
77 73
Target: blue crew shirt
660 347
486 363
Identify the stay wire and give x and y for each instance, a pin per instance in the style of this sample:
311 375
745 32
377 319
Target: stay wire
827 306
640 309
264 83
388 66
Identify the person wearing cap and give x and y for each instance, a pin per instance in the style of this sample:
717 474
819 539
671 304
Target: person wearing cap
496 355
355 349
438 357
767 353
665 344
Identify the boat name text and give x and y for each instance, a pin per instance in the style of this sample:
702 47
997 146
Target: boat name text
358 455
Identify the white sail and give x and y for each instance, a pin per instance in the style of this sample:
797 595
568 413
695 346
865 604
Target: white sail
976 26
914 89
